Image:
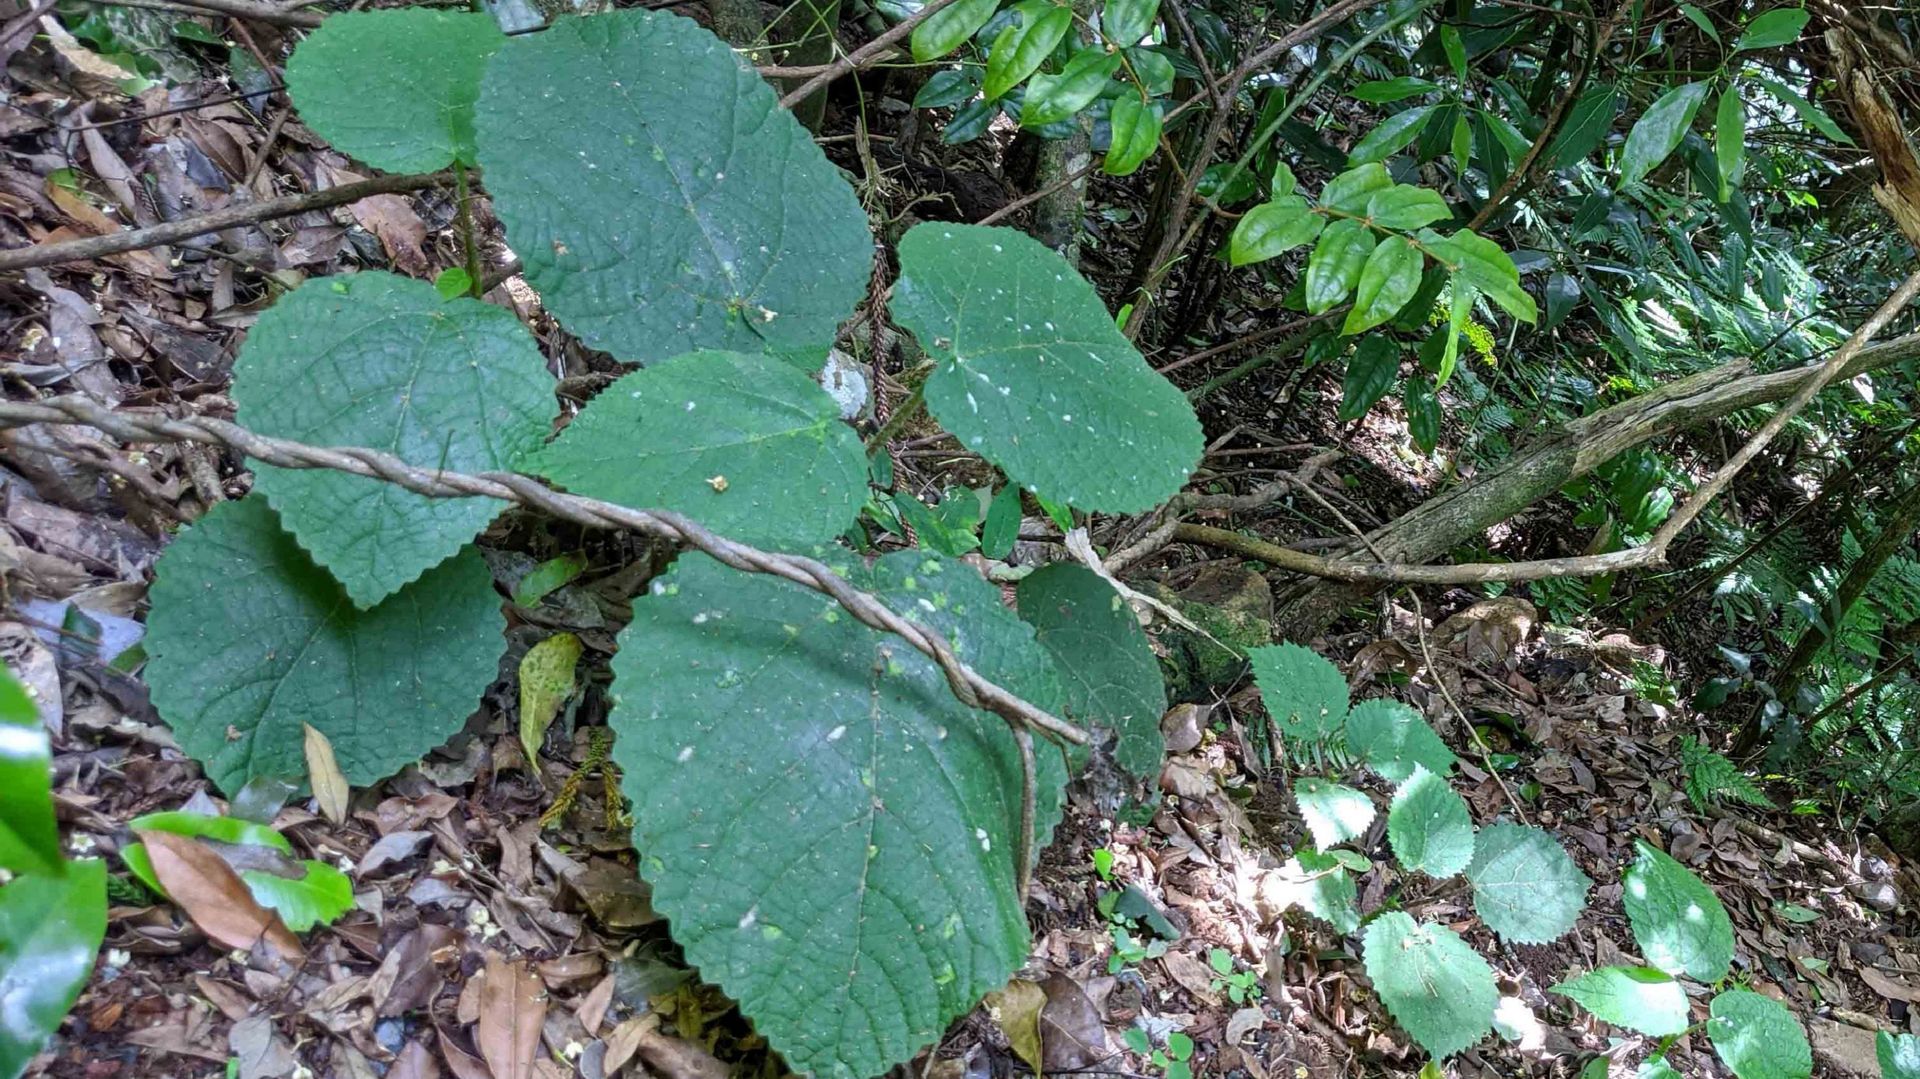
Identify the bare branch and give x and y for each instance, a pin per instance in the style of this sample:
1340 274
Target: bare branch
869 53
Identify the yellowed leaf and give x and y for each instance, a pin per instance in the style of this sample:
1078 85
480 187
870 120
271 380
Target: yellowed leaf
1017 1009
546 681
330 787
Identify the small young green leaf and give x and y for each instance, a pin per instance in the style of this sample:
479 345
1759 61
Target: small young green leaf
542 580
1387 91
51 925
1350 191
453 282
1423 413
1025 44
1899 1055
1781 26
1002 526
1390 135
1638 998
1126 22
1334 267
1273 228
1434 984
1758 1038
1679 923
1429 826
1525 887
1106 666
946 29
1404 206
1371 372
1388 280
1659 131
1730 139
395 89
1334 814
1305 694
29 836
1699 18
1136 134
1461 144
1052 98
746 445
1392 739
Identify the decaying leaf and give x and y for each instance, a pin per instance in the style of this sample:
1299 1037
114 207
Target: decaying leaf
1017 1010
513 1005
330 788
214 896
546 681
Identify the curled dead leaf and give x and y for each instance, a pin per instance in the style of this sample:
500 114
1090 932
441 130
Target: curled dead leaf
202 885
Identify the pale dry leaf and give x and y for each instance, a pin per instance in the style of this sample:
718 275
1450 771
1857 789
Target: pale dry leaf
677 1058
414 1062
1244 1022
462 1064
1193 975
625 1041
513 1005
213 895
1017 1010
330 787
593 1007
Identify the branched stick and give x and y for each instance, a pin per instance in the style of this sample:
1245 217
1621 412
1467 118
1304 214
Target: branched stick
865 54
247 213
972 688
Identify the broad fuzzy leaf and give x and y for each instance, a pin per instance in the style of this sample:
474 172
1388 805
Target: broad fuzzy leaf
1659 130
1392 739
1525 887
1679 923
374 359
1318 884
1899 1055
1435 984
1638 998
746 445
1758 1038
29 836
395 89
831 833
250 639
1429 826
51 925
1305 694
1107 669
1034 376
661 199
1334 814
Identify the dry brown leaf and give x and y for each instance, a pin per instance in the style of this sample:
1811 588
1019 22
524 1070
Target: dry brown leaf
462 1064
625 1041
330 787
1891 988
677 1058
414 1062
1072 1035
1193 975
1017 1010
513 1005
213 895
400 230
593 1007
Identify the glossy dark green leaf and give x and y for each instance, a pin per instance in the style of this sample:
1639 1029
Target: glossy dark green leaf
1423 413
29 836
1456 50
1389 136
1699 18
1025 44
1659 131
1404 207
1334 267
1350 191
1126 22
1152 69
1781 26
1586 125
1488 269
1273 228
51 926
1730 139
946 29
1386 91
1002 526
1051 98
1462 142
1136 134
969 122
1370 374
1808 112
947 89
1388 280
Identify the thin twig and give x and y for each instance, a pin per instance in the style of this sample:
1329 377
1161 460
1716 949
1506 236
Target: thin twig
869 53
247 213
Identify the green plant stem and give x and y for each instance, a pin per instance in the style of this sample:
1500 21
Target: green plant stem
463 210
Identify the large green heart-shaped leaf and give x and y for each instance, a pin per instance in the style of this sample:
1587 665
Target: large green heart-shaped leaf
1034 376
1305 694
29 836
1392 739
1107 668
395 88
830 831
1639 998
1525 887
1434 983
746 445
51 925
1679 922
250 640
1758 1038
374 359
1429 826
660 198
1899 1055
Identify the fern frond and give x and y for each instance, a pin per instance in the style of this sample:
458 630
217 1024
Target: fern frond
1713 779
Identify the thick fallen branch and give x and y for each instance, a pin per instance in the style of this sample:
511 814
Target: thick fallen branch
244 213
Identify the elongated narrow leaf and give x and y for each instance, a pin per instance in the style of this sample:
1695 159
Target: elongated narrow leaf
364 82
854 890
1638 998
1659 131
1423 413
1305 694
1106 666
1371 373
1386 91
1334 267
1136 128
1392 739
1434 984
1525 887
1429 826
1389 136
1033 375
1730 140
1052 98
1334 814
250 640
1809 113
650 229
1772 29
945 30
51 925
746 445
1587 124
1679 923
1272 229
29 837
1023 46
1758 1038
375 359
1388 280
